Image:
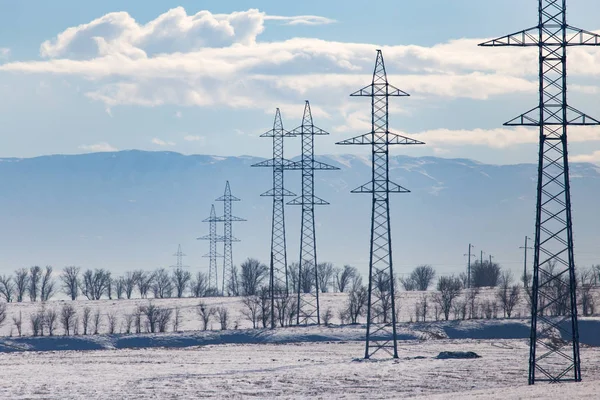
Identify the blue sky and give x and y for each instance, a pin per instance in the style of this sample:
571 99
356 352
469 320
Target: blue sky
193 77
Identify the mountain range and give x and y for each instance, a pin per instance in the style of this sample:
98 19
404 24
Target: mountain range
131 209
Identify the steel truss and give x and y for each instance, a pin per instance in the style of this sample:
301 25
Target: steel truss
381 316
228 219
278 278
308 294
554 341
213 238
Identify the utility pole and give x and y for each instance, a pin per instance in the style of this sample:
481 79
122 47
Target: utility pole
469 255
491 259
481 258
525 261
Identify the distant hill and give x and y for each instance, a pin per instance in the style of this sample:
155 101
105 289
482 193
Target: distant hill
131 209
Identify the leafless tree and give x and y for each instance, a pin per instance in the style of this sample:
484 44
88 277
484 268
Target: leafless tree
327 316
7 288
408 284
152 313
144 282
21 283
421 308
199 285
283 305
508 295
291 310
87 317
3 314
471 297
176 319
253 272
95 283
70 281
163 319
423 276
485 274
129 282
585 292
383 292
181 280
139 311
293 276
37 323
162 287
50 319
251 310
109 287
223 316
119 287
264 297
127 322
97 321
449 288
325 276
233 286
47 287
112 319
76 325
344 278
35 273
357 302
67 317
18 322
204 312
307 278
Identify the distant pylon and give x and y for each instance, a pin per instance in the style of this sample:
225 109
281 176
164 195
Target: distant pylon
278 279
554 325
381 315
227 219
308 294
179 256
213 276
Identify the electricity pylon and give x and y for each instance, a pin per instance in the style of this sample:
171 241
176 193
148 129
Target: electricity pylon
308 293
278 279
381 315
213 279
554 327
228 219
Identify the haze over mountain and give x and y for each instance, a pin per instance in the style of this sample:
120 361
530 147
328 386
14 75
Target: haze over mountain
130 209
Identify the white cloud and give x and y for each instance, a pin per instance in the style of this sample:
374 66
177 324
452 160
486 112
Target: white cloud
98 147
161 142
301 19
591 158
4 52
194 138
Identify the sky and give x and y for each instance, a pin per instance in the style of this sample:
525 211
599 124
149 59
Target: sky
205 77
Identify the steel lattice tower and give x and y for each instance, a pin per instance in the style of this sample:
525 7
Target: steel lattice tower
227 219
213 280
179 256
381 316
278 279
308 303
554 327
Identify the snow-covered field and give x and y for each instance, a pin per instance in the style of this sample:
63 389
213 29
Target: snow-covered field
322 370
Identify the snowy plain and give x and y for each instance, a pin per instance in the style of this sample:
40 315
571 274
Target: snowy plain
293 362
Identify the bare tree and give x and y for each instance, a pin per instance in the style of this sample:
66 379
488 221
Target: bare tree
327 316
508 295
151 312
163 319
67 317
87 317
307 278
129 281
50 318
137 315
176 319
199 285
162 287
293 276
421 308
423 277
344 278
204 312
119 287
253 272
7 288
21 283
95 283
408 284
233 286
449 288
251 309
325 276
18 322
181 279
264 296
97 321
3 314
144 282
34 282
70 281
485 274
127 322
471 295
47 288
587 279
112 319
37 323
223 316
357 302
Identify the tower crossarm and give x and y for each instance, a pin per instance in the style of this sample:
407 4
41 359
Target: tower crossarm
551 35
388 138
